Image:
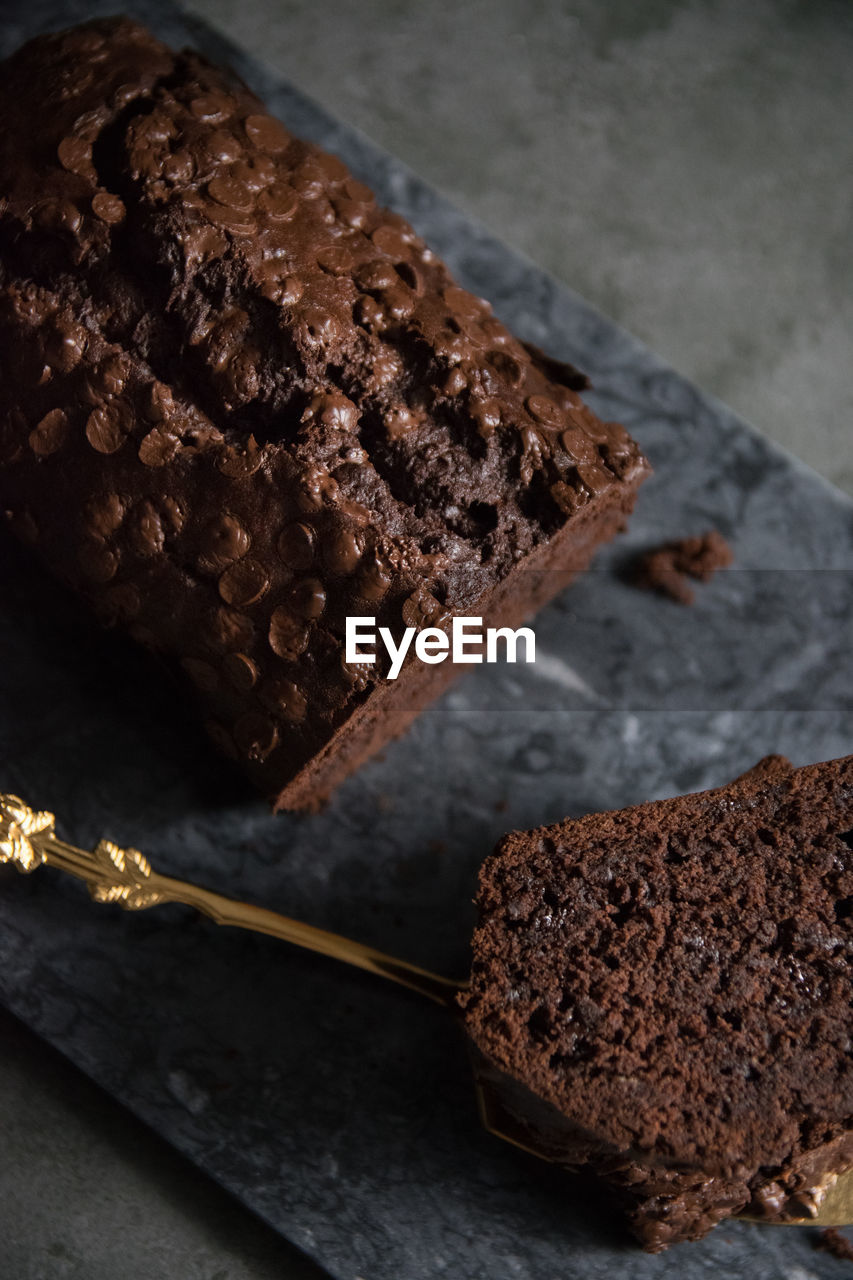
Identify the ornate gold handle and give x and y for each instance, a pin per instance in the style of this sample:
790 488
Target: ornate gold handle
28 840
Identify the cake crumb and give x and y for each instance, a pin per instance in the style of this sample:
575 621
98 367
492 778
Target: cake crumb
666 568
832 1241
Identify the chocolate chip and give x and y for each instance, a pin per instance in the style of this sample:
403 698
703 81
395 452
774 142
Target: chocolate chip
279 201
578 445
421 609
333 409
75 155
256 173
596 477
390 241
266 134
211 107
158 448
546 411
103 515
338 260
158 403
398 302
173 513
318 328
464 304
107 426
90 123
223 148
375 578
179 166
332 167
376 275
343 551
237 221
236 463
308 598
309 179
226 540
49 434
66 346
296 546
370 315
58 216
230 629
455 383
231 193
351 214
288 291
108 208
288 635
146 533
109 376
244 582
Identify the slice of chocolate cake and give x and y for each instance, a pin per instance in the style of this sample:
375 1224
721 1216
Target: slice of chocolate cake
663 995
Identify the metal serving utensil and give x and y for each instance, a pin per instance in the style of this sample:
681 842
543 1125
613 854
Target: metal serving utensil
28 840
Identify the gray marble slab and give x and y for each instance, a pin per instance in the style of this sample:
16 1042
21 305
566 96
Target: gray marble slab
338 1109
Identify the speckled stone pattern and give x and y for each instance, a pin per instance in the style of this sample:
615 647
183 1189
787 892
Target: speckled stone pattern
342 1111
264 399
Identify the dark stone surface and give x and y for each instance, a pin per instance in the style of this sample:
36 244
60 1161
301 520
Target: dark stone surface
340 1110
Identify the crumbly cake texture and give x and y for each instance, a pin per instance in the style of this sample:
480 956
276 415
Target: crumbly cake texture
662 995
666 569
239 402
833 1241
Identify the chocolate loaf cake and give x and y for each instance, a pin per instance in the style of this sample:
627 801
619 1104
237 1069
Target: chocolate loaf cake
239 402
662 995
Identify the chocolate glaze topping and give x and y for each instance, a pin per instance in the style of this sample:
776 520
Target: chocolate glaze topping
240 401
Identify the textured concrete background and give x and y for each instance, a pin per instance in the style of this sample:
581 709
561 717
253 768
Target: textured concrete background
688 168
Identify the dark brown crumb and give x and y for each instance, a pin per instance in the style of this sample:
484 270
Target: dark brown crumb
665 569
832 1241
